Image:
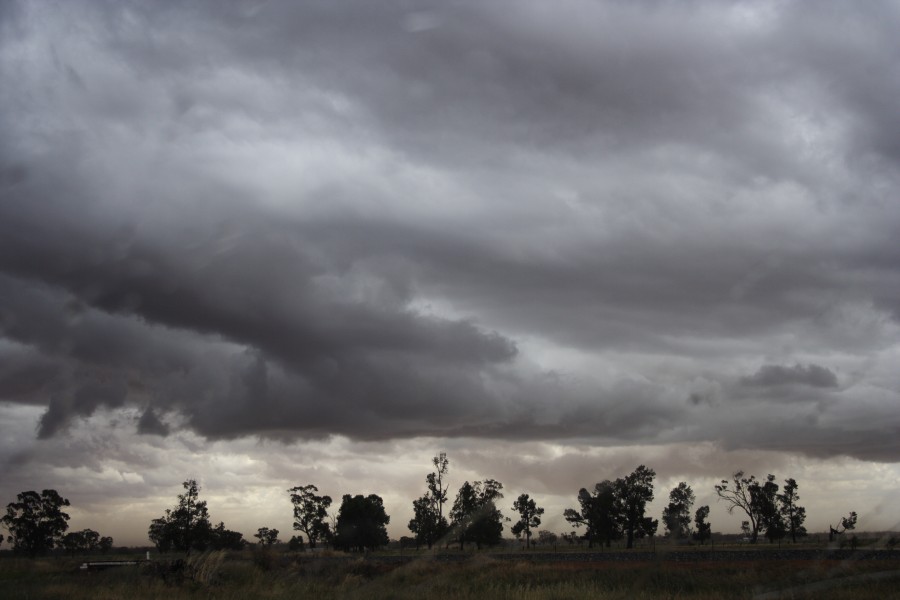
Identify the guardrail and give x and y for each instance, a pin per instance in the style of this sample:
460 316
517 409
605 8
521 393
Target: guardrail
100 565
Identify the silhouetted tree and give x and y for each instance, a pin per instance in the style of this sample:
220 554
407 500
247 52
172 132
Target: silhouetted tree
86 540
36 522
764 499
310 512
792 514
91 539
475 516
295 543
225 539
105 544
648 528
598 513
361 523
547 538
741 496
632 493
436 488
72 542
703 531
529 517
159 534
846 523
428 523
267 537
187 526
677 515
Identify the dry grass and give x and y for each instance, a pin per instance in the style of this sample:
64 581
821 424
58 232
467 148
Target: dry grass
238 575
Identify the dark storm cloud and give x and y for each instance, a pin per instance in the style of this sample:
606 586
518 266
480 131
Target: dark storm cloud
150 424
775 375
454 219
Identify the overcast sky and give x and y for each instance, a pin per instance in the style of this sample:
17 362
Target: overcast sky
266 244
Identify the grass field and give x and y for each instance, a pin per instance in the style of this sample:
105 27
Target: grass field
254 574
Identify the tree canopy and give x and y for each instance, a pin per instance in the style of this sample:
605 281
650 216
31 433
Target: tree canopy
597 512
769 512
475 516
738 494
633 492
792 514
267 537
361 523
428 523
36 522
677 514
529 517
310 512
86 540
185 527
616 509
225 539
703 528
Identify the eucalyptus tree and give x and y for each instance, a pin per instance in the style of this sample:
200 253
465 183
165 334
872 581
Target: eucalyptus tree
428 523
529 517
677 514
361 523
765 499
703 528
632 494
739 494
792 514
185 527
597 513
267 537
474 516
36 522
310 513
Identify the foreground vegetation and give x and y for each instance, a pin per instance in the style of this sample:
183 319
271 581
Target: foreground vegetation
268 573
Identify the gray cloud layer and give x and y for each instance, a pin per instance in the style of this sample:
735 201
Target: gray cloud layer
775 375
619 222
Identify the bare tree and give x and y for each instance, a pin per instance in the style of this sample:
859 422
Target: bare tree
435 482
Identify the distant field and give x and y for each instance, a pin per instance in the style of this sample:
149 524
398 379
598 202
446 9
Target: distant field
694 573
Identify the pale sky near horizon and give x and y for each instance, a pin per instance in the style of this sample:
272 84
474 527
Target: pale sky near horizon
270 243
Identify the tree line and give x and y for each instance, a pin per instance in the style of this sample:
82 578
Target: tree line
37 523
612 510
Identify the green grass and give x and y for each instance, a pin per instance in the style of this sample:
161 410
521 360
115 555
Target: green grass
249 575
